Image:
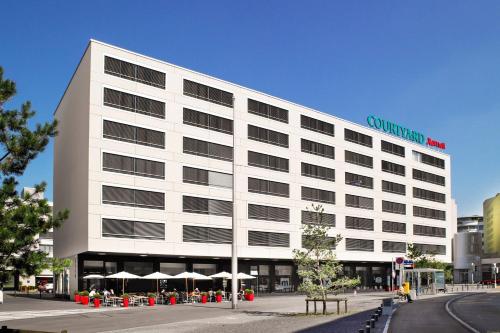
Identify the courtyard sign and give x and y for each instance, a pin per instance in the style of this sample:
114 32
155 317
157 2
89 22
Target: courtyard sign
402 132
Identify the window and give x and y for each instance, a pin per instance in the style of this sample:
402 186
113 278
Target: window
429 213
359 159
425 230
193 234
138 267
131 197
172 268
268 187
358 202
267 161
206 206
132 103
49 249
206 93
273 239
133 166
317 148
311 241
393 207
359 223
428 195
133 72
358 180
428 177
394 168
268 213
310 217
138 135
316 171
393 148
393 187
205 269
267 111
353 244
132 229
431 248
396 247
208 121
317 125
359 138
314 194
207 149
428 159
206 177
267 136
394 227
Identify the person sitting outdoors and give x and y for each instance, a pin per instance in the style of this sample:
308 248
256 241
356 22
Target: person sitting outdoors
111 292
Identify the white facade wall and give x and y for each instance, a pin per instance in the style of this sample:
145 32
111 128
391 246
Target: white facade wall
79 187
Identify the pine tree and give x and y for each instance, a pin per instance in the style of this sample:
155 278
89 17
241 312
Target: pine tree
318 267
22 219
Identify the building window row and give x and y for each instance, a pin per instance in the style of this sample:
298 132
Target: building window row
431 248
429 213
428 159
393 207
268 111
395 247
132 197
133 166
316 171
207 93
359 138
317 195
132 229
425 230
206 177
317 125
317 148
134 72
195 234
268 213
312 241
358 223
428 195
354 244
428 177
358 201
267 136
133 103
395 188
393 148
267 161
358 180
272 239
208 121
268 187
311 217
394 227
206 206
207 149
394 168
133 134
358 159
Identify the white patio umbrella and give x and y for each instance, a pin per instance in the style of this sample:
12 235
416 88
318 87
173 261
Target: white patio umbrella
93 276
190 275
157 276
222 275
123 275
243 276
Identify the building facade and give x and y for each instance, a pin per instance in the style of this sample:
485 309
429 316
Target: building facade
154 161
491 252
468 250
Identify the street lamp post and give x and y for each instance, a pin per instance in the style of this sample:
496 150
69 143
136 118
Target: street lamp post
472 273
495 269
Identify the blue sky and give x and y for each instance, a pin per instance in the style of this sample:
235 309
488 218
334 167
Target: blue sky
433 66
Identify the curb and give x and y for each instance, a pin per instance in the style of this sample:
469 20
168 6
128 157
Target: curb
454 316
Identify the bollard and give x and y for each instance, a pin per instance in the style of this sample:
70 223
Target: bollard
361 330
375 316
372 323
367 329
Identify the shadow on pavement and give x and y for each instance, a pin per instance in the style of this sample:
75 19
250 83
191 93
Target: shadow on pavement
345 324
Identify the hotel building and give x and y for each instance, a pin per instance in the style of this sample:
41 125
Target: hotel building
154 161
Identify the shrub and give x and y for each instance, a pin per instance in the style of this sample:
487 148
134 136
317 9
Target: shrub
218 292
126 296
173 294
97 295
76 292
84 293
151 295
204 293
248 291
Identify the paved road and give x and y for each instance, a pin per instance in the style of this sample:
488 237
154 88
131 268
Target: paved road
481 311
425 315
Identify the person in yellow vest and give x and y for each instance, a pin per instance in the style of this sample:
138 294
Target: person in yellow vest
406 291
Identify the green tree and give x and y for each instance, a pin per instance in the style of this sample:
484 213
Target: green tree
318 267
429 260
22 218
59 266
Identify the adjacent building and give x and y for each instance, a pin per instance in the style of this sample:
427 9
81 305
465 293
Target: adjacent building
154 162
491 212
468 249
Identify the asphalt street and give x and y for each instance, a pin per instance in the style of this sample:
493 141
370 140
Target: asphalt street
481 311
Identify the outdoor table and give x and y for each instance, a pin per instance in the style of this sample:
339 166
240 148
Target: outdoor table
115 299
338 300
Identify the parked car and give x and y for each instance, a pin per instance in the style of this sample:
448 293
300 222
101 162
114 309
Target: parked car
48 288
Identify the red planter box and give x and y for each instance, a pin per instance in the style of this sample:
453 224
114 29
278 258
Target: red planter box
97 302
218 298
151 301
84 300
204 298
125 302
249 297
173 300
77 298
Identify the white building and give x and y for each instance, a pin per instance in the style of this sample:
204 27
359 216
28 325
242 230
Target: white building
144 162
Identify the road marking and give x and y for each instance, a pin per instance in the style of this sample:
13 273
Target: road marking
386 328
454 316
